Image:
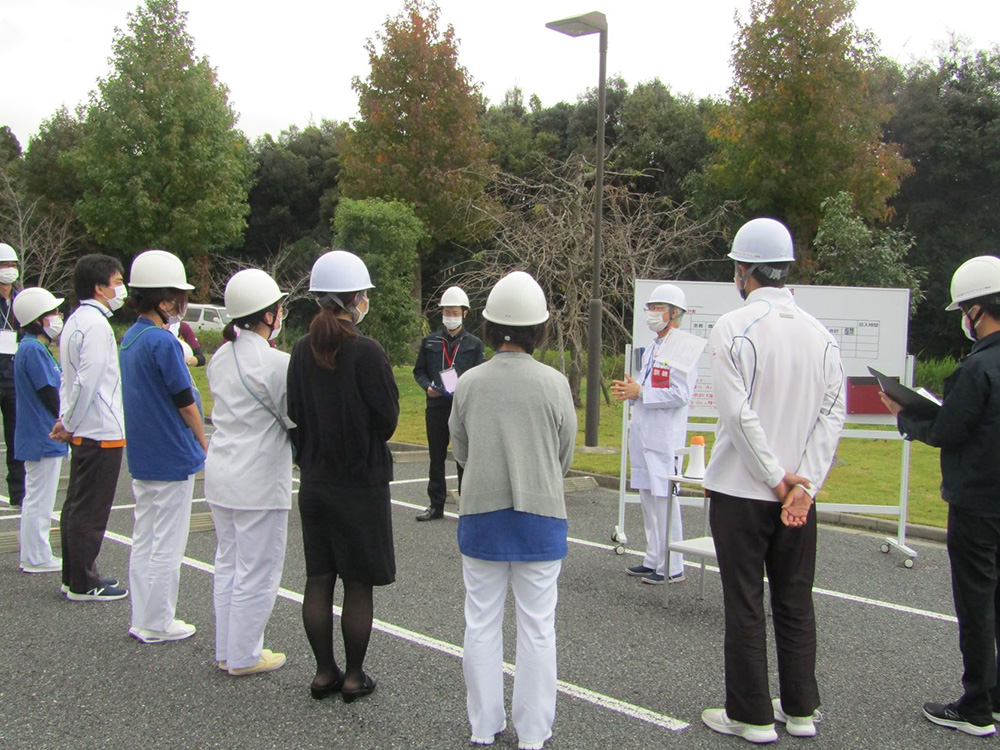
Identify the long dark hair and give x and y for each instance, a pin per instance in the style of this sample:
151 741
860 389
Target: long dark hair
327 332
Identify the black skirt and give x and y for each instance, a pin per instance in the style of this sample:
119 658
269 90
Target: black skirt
347 531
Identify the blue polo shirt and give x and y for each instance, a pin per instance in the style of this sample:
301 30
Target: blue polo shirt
159 444
34 368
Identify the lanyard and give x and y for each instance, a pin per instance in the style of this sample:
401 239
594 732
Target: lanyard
449 358
7 308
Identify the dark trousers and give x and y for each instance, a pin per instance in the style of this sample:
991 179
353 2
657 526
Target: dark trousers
93 477
15 468
750 539
438 436
974 549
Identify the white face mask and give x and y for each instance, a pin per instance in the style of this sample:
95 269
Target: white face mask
452 322
53 327
968 329
8 275
275 331
116 302
655 321
360 314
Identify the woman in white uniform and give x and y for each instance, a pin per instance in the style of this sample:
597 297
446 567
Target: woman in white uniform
248 473
660 400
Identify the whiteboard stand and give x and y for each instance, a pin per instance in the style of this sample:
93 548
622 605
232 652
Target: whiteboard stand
619 536
899 542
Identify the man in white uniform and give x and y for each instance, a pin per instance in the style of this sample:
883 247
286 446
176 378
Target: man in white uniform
658 429
779 390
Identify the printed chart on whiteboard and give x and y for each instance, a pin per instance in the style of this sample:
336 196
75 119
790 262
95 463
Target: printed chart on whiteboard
869 324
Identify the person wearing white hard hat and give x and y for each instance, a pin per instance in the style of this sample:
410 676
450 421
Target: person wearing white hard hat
37 377
966 429
513 426
442 358
8 393
91 421
248 472
343 399
779 390
660 399
166 444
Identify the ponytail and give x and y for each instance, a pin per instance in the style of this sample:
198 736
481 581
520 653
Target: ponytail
327 333
229 332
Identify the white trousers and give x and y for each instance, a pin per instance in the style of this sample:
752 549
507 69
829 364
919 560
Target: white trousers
41 482
249 556
535 595
654 517
159 536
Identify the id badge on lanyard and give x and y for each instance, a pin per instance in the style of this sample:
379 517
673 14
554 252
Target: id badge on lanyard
660 377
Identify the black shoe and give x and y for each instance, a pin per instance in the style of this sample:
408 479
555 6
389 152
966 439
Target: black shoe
433 513
319 692
949 716
367 688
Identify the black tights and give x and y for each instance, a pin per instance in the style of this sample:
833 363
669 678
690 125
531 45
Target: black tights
355 626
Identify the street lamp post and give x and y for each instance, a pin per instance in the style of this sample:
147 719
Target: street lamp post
593 23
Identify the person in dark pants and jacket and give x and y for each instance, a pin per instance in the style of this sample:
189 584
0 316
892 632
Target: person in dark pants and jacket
8 345
443 357
343 399
966 429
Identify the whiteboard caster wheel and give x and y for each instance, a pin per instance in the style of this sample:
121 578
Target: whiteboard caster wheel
908 562
884 548
620 549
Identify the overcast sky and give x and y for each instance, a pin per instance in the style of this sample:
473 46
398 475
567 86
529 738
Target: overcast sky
291 62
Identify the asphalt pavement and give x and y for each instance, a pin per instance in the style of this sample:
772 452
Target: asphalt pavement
633 674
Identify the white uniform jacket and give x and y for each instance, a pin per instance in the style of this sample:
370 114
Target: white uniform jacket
659 421
90 396
249 464
779 391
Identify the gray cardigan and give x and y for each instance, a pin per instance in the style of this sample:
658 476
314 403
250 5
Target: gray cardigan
513 428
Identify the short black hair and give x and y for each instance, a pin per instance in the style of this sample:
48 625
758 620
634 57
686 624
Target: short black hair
528 338
764 280
92 270
144 300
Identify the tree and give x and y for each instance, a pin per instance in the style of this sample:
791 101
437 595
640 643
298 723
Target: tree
417 139
10 147
386 235
849 253
545 226
803 124
161 163
948 122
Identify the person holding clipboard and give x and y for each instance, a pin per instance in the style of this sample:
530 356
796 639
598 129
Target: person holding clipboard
443 356
965 428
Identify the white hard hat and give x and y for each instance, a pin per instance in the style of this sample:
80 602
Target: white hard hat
763 241
454 297
977 277
32 303
7 253
670 295
250 291
339 271
158 269
516 300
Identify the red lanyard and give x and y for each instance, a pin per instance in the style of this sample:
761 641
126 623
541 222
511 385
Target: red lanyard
449 358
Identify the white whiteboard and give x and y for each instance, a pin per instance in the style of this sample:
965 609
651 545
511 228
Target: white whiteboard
869 323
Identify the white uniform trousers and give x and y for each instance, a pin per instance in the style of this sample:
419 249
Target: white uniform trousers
41 482
249 556
535 595
654 517
159 536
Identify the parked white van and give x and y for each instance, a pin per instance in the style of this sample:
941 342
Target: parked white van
206 317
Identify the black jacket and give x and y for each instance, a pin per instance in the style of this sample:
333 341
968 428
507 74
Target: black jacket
967 429
345 417
431 360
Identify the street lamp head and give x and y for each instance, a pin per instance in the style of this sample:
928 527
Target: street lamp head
589 23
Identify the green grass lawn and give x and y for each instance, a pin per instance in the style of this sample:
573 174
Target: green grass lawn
866 471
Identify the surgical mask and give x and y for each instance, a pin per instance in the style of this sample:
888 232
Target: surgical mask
8 275
655 321
452 322
116 302
968 328
740 283
53 327
360 314
275 331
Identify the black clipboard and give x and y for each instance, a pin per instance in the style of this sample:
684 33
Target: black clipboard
908 398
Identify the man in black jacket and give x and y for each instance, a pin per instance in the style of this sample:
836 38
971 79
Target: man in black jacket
444 355
966 428
8 344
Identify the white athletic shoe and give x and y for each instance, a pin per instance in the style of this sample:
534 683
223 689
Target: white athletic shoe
797 726
535 745
489 740
177 630
716 720
52 566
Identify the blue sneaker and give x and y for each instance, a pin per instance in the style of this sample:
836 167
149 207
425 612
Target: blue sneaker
653 578
100 594
639 570
112 582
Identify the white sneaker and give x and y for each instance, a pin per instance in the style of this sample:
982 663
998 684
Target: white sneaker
535 745
474 740
797 726
716 720
178 630
52 566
